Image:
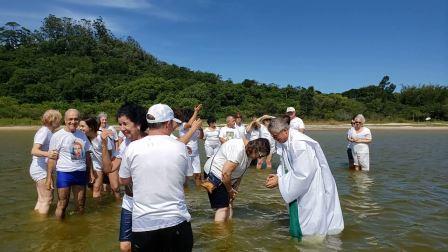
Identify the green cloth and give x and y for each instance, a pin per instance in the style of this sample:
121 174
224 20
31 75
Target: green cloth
294 225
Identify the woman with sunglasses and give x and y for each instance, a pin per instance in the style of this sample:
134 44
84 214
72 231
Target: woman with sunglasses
361 137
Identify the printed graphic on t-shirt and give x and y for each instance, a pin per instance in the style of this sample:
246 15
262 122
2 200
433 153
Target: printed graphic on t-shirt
77 151
230 135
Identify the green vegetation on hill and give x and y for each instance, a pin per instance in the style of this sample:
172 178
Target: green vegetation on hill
80 63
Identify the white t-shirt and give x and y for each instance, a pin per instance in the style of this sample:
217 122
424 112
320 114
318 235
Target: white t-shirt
264 133
233 151
157 165
296 123
193 143
241 129
42 137
229 133
72 148
363 134
96 151
349 134
211 136
127 200
253 134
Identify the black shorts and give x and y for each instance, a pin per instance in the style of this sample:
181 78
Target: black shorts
349 154
177 238
219 198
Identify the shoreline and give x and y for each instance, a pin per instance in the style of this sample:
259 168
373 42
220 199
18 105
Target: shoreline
376 126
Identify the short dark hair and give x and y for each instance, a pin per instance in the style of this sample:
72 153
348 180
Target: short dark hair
92 123
211 119
135 113
261 145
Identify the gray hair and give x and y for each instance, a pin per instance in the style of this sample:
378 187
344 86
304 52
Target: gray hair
153 126
228 118
360 117
278 124
70 110
101 115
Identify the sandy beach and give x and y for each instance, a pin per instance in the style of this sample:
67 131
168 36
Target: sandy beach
316 126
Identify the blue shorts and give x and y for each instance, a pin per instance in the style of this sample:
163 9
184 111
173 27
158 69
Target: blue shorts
67 179
125 225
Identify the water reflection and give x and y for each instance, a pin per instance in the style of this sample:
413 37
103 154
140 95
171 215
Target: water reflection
360 201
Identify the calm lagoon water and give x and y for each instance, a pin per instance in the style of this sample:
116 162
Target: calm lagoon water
401 204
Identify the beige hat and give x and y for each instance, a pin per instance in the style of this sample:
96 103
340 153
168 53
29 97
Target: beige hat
265 117
290 109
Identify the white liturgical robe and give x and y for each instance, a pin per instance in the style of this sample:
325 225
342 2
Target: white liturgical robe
304 175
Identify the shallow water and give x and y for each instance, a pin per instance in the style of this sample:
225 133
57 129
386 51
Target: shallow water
401 204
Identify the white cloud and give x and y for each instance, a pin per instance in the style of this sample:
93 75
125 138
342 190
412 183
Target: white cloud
111 24
121 4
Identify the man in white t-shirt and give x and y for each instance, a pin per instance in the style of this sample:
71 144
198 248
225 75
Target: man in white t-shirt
295 122
156 165
71 164
229 131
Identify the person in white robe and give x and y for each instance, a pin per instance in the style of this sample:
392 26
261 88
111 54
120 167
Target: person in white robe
306 183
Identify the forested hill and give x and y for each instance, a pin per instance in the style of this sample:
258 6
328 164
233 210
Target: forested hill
81 63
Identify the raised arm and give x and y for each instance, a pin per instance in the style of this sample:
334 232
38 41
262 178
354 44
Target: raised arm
193 118
194 126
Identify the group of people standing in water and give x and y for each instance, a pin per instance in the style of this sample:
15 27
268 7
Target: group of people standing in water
146 162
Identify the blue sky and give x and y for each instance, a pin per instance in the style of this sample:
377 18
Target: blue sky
331 45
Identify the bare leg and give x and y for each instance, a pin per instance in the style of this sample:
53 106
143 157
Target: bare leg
222 214
230 211
114 185
98 184
45 197
268 161
197 178
79 193
259 163
63 198
125 246
39 196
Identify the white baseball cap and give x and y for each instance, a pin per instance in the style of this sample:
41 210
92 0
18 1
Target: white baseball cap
290 109
161 113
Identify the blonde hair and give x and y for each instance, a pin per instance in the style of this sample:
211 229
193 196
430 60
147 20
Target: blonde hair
50 116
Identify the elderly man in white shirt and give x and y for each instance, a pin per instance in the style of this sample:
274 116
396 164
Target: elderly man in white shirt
306 183
230 131
295 122
157 165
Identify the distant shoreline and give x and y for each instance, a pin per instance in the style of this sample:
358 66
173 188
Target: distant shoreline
376 126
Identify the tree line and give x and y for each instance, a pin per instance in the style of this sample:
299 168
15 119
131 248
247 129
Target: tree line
80 63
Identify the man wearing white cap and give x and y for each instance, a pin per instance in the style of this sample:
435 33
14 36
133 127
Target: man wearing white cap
157 165
295 122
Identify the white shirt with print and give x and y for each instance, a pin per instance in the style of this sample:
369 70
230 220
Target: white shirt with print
72 149
229 133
